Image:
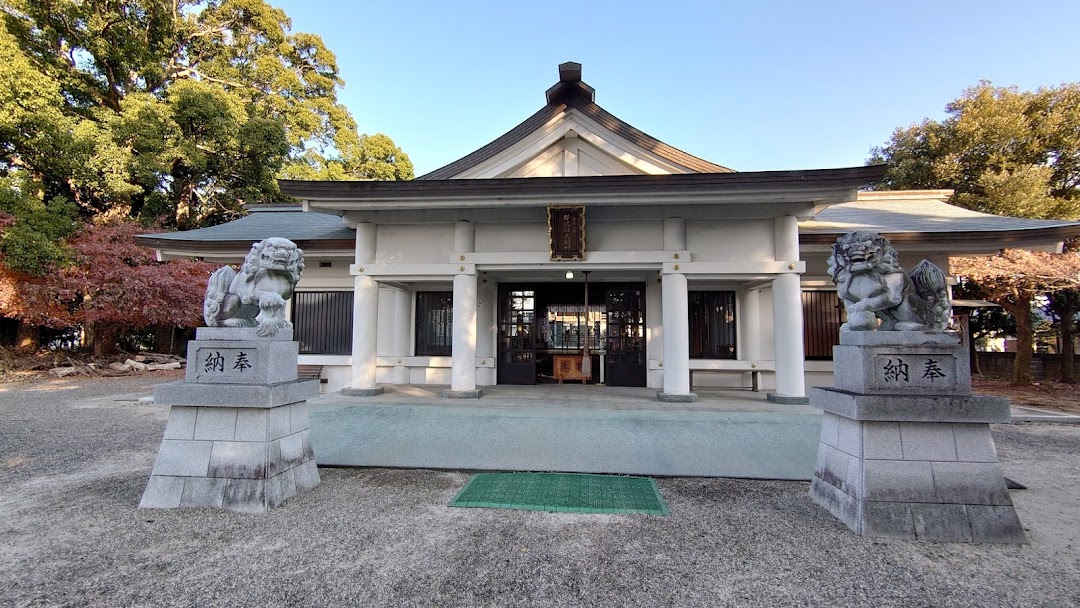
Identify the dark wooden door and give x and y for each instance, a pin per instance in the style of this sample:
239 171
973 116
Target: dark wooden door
625 335
517 336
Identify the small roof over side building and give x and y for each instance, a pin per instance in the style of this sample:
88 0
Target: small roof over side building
924 218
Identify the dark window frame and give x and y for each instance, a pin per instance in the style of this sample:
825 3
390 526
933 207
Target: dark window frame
823 314
434 323
322 322
712 334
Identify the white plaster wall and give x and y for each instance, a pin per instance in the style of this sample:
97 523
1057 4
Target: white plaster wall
414 243
512 237
332 278
728 240
624 236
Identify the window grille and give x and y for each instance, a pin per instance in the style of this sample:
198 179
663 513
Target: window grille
712 324
322 322
823 314
434 323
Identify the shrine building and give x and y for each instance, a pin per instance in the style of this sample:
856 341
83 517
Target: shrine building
577 248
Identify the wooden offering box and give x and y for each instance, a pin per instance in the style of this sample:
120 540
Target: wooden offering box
568 367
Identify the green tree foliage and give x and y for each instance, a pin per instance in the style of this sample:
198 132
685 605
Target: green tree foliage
1002 150
170 112
181 110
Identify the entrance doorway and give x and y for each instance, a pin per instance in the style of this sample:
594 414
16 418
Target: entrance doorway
542 324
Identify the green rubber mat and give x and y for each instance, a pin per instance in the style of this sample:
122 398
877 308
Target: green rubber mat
566 492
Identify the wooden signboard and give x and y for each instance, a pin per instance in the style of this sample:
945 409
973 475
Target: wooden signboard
566 233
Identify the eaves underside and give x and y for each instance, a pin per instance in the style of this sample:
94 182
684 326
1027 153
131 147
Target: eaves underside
636 185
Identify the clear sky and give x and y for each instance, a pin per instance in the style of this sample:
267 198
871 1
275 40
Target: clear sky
751 85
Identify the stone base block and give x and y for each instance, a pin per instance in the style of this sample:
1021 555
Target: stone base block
676 398
241 361
234 458
787 400
242 333
902 363
235 395
915 408
936 481
362 392
476 393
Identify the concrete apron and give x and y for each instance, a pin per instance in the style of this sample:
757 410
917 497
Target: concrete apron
569 428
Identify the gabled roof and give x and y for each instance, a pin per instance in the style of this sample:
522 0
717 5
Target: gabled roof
571 93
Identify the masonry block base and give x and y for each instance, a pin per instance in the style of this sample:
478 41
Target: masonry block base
663 397
362 392
235 458
786 400
933 481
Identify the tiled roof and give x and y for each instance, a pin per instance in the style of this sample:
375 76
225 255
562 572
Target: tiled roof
288 222
916 214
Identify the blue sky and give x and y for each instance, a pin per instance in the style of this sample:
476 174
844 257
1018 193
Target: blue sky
751 85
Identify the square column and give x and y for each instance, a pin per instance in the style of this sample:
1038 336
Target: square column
463 372
676 315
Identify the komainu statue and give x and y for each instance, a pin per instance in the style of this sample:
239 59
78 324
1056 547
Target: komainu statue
255 296
868 277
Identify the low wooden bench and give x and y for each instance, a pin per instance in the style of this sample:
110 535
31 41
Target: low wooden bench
310 372
716 366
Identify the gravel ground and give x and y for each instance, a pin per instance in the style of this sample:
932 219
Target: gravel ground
75 455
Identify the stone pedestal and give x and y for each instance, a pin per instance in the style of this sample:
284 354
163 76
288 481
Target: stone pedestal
905 447
237 436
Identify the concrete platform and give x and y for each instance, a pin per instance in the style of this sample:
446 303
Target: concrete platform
571 428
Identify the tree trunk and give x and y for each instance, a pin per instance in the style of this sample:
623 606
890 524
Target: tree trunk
163 338
1067 330
27 337
1021 311
102 339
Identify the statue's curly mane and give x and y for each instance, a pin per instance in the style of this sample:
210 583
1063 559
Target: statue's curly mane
253 261
886 260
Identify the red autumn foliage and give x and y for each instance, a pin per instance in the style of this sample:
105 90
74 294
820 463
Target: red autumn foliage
113 282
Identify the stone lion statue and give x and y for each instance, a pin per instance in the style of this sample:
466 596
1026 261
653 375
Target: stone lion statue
868 277
255 296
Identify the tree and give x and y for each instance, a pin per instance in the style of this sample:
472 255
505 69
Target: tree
1002 150
1013 279
113 286
182 110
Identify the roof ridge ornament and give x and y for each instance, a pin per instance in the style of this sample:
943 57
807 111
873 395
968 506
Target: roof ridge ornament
569 83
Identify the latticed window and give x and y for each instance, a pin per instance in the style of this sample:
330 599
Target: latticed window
712 324
322 322
823 314
434 323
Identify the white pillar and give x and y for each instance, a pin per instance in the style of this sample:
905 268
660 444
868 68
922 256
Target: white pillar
749 316
675 234
787 318
463 372
365 318
464 237
402 333
676 340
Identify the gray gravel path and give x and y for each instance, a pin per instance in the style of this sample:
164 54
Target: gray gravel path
74 460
